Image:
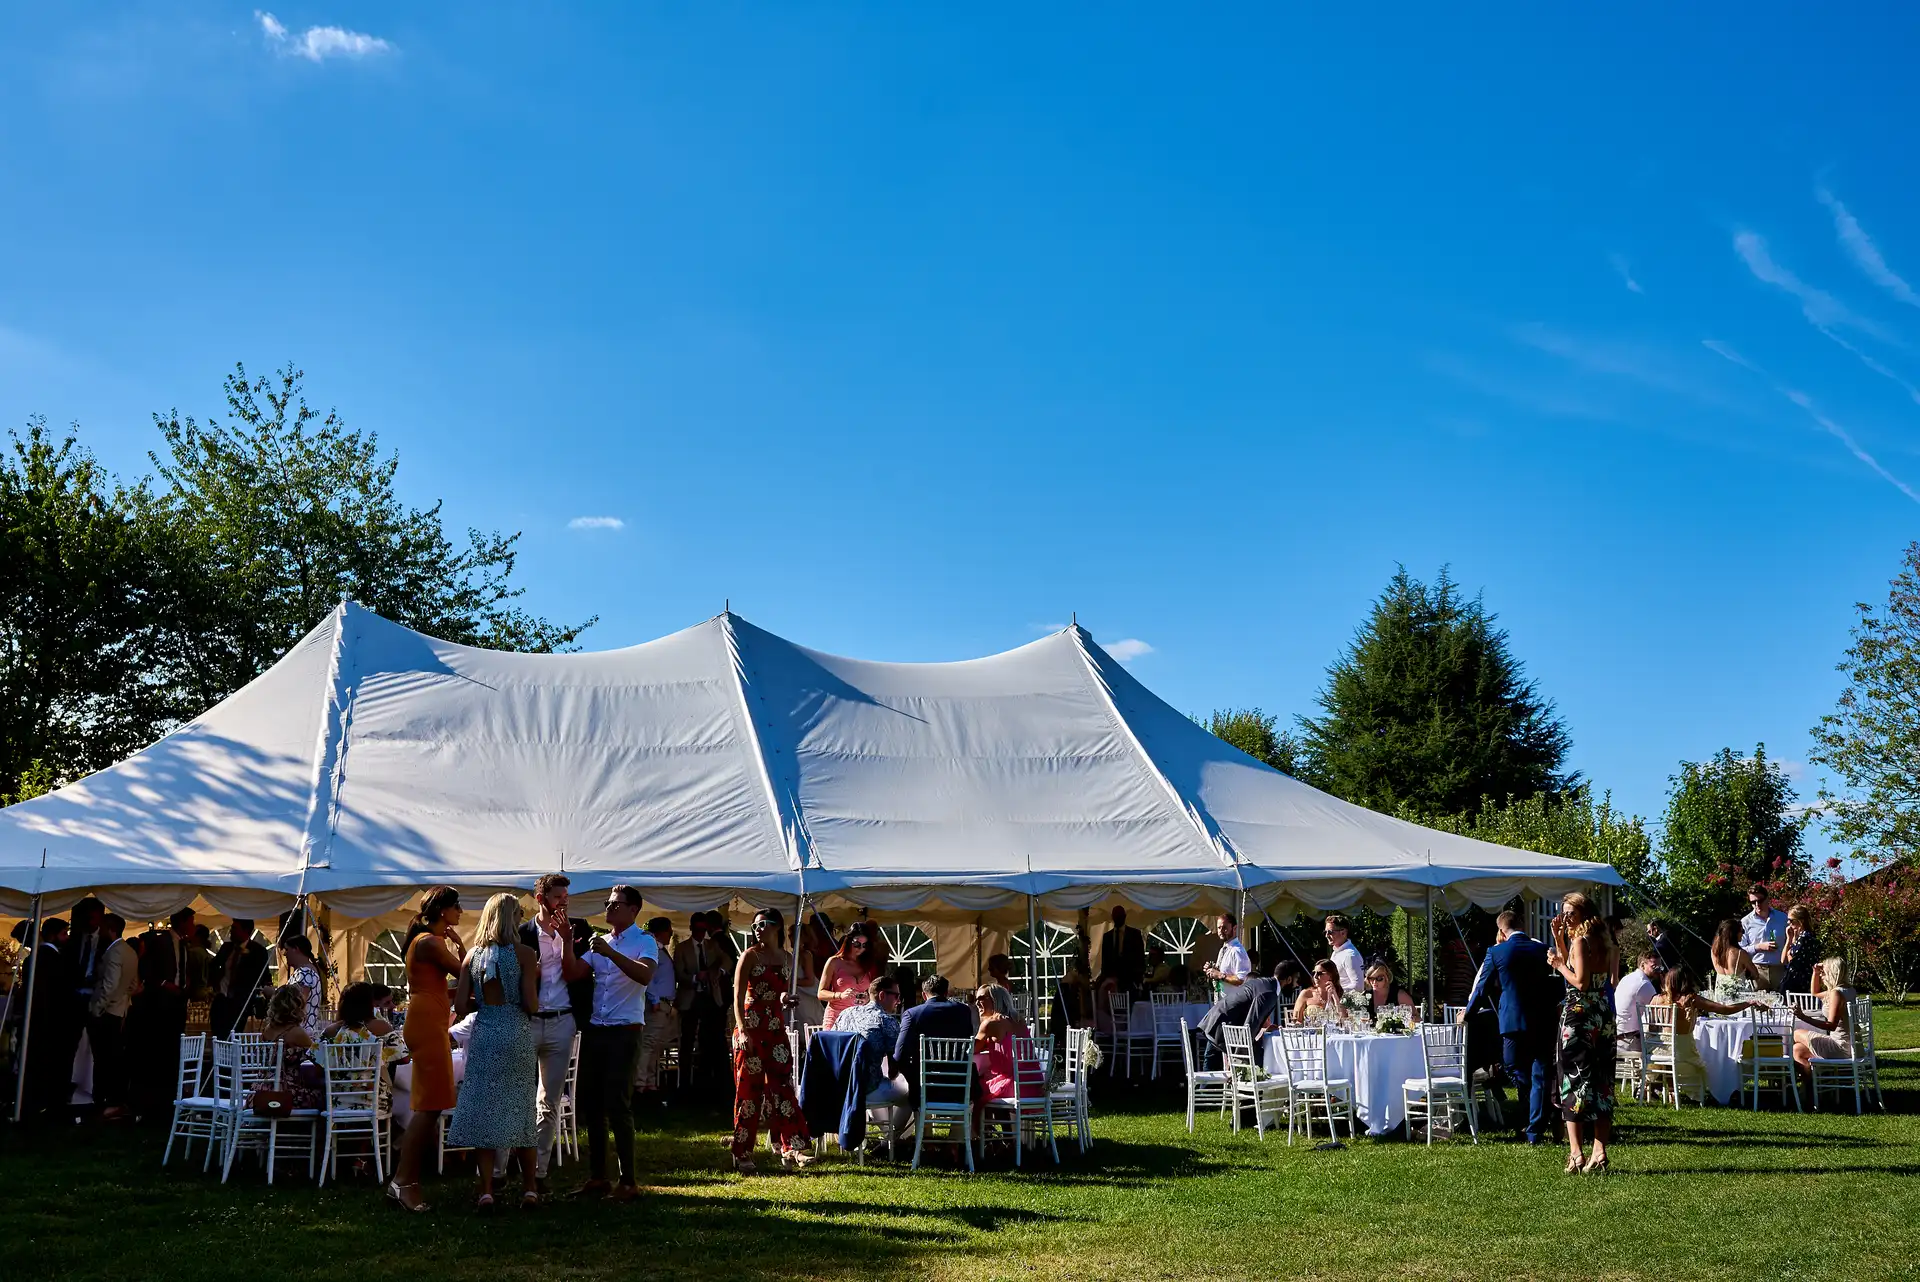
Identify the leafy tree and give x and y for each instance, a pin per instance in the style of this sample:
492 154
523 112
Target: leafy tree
1730 822
76 627
1429 708
1572 825
1872 738
1257 734
278 513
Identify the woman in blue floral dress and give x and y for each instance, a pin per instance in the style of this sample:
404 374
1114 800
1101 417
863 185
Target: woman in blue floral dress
1583 954
495 1109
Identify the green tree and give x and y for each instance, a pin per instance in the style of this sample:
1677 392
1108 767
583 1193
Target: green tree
1871 740
1572 825
1730 821
1257 734
1429 708
278 513
76 625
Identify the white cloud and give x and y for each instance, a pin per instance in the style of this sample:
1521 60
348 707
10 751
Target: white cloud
317 44
1913 393
1854 239
596 523
1625 270
1820 308
1826 424
1127 649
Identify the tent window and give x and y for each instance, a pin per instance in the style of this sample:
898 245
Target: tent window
1179 936
1058 945
911 949
385 965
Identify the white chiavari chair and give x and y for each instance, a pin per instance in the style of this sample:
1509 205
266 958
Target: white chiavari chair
946 1094
195 1113
1250 1083
1310 1080
1766 1058
1431 1097
352 1071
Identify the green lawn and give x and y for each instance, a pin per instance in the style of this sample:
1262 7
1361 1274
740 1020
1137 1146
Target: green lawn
1714 1193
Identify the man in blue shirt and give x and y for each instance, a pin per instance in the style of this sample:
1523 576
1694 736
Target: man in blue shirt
1763 932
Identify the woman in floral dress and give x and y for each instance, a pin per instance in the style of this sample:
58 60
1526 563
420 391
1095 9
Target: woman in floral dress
762 1059
499 980
1583 954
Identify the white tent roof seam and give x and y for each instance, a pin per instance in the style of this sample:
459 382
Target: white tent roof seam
723 756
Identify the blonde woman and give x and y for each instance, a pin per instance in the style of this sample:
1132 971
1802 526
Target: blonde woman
1583 955
1830 1025
500 980
1800 959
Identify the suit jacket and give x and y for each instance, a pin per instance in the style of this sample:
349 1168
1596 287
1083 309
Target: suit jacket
686 963
1251 1005
114 980
928 1019
579 991
83 954
1667 951
1123 957
1528 993
162 954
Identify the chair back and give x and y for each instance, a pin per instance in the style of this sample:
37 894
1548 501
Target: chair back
241 1068
1806 1001
1305 1052
946 1073
1443 1051
1120 1007
1032 1069
1860 1029
1166 1012
1023 1007
1656 1034
1073 1065
1239 1049
1769 1035
193 1055
352 1071
1452 1014
1186 1047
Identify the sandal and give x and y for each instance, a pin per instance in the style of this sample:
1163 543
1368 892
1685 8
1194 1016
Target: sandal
795 1160
1576 1164
530 1201
396 1196
1596 1165
483 1203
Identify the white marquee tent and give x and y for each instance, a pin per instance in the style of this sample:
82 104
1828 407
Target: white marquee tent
720 761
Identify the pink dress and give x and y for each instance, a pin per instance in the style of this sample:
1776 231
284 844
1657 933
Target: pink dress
995 1063
840 1005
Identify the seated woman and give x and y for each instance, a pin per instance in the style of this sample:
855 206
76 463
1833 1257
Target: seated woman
1830 1025
1383 992
286 1024
1323 996
358 1016
1730 959
1683 995
993 1041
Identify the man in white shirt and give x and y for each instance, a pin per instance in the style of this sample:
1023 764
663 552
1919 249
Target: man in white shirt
663 1018
1763 932
1630 998
1346 958
551 936
115 977
622 962
1231 966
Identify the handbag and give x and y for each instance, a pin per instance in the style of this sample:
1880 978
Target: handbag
271 1104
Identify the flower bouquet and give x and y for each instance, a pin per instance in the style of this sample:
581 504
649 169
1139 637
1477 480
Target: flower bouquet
1094 1057
1392 1022
1357 1014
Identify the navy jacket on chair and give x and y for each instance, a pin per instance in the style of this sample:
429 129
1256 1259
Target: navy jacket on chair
834 1084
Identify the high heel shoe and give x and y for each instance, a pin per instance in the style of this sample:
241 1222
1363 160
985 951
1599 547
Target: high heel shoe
395 1196
795 1160
1596 1165
1576 1164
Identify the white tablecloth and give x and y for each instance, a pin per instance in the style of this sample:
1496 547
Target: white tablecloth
1378 1067
1720 1042
403 1086
1143 1014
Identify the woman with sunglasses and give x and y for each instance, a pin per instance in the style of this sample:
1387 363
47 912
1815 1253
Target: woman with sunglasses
762 1057
848 974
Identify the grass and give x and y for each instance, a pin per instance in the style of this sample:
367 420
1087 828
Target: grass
1714 1193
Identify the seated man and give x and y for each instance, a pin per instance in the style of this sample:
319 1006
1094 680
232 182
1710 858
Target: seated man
935 1016
880 1020
1162 973
1637 987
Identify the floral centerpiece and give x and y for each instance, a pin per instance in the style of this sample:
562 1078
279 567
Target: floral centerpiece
1731 989
1392 1022
1356 1012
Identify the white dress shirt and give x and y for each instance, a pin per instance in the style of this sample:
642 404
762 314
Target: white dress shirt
617 999
1630 999
1754 927
553 984
1233 960
1351 966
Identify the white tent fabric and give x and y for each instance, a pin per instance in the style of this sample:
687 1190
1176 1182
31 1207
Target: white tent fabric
372 759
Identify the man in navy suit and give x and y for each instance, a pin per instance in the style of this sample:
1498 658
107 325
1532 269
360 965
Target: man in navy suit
933 1017
1528 1001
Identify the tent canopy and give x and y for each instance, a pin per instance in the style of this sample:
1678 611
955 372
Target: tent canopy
372 760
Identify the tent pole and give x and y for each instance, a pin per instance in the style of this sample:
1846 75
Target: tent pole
1430 984
26 1021
1033 963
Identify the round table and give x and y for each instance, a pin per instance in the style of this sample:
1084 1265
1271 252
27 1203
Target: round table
1377 1065
1720 1040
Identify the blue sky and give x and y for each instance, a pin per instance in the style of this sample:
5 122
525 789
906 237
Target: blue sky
913 329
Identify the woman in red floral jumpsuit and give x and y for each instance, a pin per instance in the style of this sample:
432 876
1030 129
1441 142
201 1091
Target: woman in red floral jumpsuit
762 1059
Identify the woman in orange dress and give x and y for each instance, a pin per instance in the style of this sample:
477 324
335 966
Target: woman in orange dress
433 955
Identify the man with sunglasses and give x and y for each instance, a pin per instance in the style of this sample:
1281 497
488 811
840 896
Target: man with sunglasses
622 962
1346 958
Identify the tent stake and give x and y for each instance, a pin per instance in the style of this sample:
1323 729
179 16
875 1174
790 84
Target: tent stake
26 1022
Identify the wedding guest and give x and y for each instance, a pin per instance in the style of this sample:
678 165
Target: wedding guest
159 1014
116 977
1730 960
699 967
1253 1005
622 962
433 954
844 981
297 968
46 991
1383 991
1799 966
82 953
1830 1025
1164 974
935 1016
993 1041
1582 954
286 1024
663 1019
564 987
1345 957
1325 993
1762 932
1661 942
817 946
500 983
1123 956
358 1018
1231 965
1683 995
200 964
1515 977
238 969
1630 998
762 1055
1289 978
